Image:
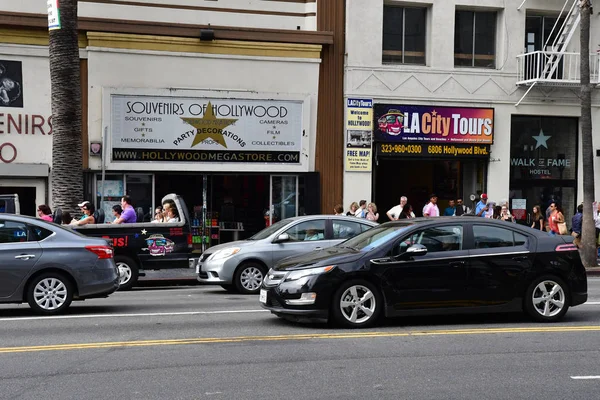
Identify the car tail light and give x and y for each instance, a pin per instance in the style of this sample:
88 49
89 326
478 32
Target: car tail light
566 247
103 252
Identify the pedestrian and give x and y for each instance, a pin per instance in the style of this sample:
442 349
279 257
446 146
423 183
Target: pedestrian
555 220
394 213
338 209
88 215
506 215
538 218
372 214
361 212
431 209
158 215
576 223
117 210
450 210
66 218
596 214
353 208
45 213
461 209
407 212
482 207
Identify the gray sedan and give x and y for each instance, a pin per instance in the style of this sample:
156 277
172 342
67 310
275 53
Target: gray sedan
241 266
48 266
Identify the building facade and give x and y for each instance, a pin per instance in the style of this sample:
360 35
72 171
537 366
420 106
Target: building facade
217 102
465 97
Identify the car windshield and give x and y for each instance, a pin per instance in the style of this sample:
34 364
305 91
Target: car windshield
374 237
265 233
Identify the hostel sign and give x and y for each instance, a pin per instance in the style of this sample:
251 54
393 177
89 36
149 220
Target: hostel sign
409 123
178 129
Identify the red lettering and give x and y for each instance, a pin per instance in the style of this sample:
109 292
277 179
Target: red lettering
12 122
6 159
37 125
50 124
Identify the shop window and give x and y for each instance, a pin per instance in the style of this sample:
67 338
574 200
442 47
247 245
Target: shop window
543 164
475 39
403 35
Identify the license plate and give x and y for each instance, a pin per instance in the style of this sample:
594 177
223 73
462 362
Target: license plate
198 268
263 296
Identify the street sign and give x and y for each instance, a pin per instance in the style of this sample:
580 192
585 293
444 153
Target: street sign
53 15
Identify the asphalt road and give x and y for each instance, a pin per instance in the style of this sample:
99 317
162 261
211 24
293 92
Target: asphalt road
202 343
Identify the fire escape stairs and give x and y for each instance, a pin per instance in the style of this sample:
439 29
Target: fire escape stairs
558 47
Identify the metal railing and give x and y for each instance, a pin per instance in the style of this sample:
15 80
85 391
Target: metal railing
555 68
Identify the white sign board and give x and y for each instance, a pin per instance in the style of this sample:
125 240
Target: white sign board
519 204
182 129
53 15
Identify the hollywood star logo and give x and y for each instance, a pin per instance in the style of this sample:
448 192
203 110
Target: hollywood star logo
541 140
209 127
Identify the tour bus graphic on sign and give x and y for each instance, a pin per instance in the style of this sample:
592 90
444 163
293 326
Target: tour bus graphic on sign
409 123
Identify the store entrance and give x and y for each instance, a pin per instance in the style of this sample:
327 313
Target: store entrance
26 198
418 179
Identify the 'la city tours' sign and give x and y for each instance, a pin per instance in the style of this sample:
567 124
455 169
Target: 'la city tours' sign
408 123
178 129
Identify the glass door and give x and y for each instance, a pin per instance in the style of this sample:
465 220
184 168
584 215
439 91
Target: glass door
284 197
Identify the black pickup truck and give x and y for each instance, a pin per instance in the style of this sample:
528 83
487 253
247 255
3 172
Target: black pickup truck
147 245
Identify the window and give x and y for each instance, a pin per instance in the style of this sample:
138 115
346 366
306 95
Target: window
346 229
40 233
442 238
475 39
487 237
403 35
309 230
2 206
13 232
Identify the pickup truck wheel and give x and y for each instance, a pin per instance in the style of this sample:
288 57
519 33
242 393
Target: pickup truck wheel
128 272
249 277
49 293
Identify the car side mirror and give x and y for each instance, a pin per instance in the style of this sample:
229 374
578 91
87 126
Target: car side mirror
416 250
284 237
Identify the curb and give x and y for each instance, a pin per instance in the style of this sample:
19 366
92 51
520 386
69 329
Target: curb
593 271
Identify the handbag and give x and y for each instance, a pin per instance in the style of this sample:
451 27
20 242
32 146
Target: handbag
562 228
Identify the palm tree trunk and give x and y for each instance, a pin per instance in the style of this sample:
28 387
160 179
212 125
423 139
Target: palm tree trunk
66 177
588 234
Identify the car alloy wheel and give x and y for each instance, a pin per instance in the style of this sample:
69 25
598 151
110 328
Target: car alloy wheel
356 304
49 293
547 299
124 273
128 272
249 277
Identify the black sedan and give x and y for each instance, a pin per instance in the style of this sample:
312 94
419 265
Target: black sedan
430 266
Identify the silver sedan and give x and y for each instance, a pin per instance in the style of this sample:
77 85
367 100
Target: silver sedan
48 266
241 266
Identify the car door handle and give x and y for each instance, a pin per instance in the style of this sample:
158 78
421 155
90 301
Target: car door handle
25 256
318 248
522 258
457 264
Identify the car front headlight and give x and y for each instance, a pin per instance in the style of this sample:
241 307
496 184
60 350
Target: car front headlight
303 273
224 253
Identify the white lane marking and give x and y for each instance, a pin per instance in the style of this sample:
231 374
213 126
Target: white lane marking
586 377
591 303
133 315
